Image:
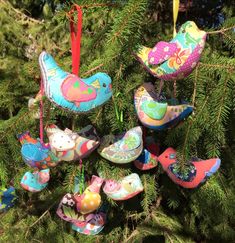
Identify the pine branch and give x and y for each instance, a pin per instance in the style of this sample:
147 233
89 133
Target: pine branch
220 31
19 13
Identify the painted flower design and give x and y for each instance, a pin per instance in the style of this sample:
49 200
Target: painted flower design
179 57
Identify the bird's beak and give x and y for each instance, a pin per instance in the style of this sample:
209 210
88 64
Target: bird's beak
109 89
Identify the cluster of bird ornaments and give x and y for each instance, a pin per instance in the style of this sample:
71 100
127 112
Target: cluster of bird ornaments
169 62
84 209
63 146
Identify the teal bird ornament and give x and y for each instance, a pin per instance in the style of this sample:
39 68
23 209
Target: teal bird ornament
71 92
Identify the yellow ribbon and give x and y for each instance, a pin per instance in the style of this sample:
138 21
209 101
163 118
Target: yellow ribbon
175 14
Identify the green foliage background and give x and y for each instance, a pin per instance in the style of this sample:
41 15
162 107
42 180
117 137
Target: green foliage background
164 212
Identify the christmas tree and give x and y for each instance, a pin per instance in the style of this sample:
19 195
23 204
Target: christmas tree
111 33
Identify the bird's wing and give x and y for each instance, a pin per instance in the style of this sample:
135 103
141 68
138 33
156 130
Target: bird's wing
161 52
154 110
130 141
74 89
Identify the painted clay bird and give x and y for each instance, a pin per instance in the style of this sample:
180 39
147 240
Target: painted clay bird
70 91
36 154
68 145
36 181
123 189
149 156
175 59
158 115
122 148
7 198
73 207
195 172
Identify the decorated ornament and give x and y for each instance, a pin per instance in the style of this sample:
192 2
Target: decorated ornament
35 153
122 148
7 198
93 223
158 115
68 145
123 189
71 92
175 59
36 181
73 207
195 172
148 158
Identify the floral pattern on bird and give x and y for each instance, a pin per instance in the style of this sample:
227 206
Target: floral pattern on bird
122 148
92 225
186 174
177 64
125 188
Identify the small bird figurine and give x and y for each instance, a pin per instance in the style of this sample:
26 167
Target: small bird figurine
68 145
90 200
149 156
71 92
36 154
7 198
75 207
122 148
36 181
124 189
158 115
176 59
195 173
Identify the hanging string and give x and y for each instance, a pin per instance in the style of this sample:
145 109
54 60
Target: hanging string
175 88
75 34
41 110
81 177
160 87
175 14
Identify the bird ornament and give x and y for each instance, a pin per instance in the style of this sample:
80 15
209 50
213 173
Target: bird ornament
68 145
74 207
71 92
149 156
36 181
196 171
123 189
158 115
175 59
122 148
7 198
36 154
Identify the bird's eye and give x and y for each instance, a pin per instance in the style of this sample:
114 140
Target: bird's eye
183 31
104 85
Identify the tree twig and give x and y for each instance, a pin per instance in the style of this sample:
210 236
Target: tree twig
220 31
21 14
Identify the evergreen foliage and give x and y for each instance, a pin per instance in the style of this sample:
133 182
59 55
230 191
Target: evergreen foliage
164 212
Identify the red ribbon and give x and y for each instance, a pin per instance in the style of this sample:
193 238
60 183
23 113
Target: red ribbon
41 111
76 34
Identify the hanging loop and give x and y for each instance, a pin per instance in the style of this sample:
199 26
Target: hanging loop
41 110
75 34
175 14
